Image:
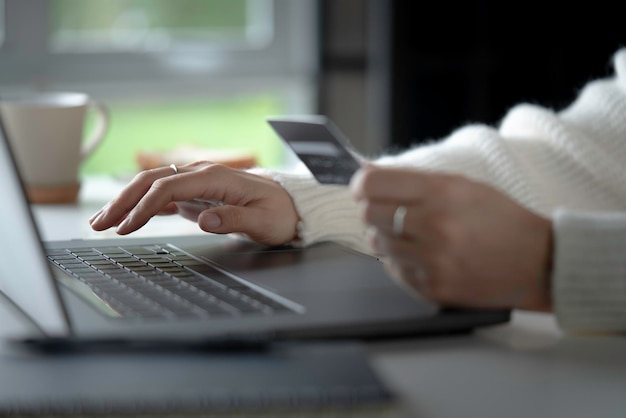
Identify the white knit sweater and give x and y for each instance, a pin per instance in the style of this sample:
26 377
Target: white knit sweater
567 165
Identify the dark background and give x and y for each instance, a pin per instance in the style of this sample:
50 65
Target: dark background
457 62
395 72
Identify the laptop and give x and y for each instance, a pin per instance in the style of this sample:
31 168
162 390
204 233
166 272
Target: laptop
199 288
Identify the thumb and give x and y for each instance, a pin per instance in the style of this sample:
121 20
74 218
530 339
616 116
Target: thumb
256 223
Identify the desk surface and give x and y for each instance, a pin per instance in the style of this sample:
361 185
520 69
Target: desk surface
526 368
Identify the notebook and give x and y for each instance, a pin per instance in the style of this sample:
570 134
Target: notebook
290 379
217 287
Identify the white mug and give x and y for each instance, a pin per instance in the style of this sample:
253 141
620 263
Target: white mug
45 132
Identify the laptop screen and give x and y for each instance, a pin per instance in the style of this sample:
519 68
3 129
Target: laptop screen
25 275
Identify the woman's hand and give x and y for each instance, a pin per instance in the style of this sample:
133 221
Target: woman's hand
462 243
250 204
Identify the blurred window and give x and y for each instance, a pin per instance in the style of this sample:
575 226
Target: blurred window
1 22
105 25
173 73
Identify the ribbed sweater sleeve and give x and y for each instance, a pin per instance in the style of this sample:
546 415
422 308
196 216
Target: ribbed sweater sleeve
589 271
328 212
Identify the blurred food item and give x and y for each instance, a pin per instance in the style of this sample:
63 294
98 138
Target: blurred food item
187 154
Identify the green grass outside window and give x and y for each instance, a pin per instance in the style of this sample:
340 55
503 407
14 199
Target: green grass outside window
237 123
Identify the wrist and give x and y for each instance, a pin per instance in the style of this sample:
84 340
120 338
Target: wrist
542 294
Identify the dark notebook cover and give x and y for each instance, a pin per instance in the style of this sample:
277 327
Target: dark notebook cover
312 378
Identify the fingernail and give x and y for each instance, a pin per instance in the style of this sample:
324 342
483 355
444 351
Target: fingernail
96 216
211 220
122 226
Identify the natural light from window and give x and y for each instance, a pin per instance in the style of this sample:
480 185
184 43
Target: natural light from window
148 25
200 74
139 127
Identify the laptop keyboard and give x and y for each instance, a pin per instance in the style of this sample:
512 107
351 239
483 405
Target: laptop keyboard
158 281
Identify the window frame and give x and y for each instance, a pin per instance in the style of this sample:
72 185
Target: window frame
288 65
2 23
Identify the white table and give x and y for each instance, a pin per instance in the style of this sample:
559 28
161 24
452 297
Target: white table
526 368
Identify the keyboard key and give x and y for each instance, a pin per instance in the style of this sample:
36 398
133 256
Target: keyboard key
153 282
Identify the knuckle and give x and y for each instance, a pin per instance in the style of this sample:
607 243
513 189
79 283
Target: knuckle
198 164
452 184
145 176
161 183
444 228
447 187
211 168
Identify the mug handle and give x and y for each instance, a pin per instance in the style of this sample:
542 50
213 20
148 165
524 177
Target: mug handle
99 131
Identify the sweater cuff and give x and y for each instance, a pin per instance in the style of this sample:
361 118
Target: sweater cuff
589 276
327 212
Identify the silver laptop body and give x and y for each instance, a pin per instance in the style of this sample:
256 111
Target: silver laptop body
323 291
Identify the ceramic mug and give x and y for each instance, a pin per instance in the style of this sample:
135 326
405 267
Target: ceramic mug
46 134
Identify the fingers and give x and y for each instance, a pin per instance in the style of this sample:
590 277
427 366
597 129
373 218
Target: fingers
180 188
382 191
114 212
373 183
255 222
152 192
170 209
251 204
404 250
190 209
381 216
412 277
462 242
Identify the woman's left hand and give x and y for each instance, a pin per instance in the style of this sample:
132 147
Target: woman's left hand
460 242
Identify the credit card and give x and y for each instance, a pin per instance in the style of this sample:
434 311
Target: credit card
320 145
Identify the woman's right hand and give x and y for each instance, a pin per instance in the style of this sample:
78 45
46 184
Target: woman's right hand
250 204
